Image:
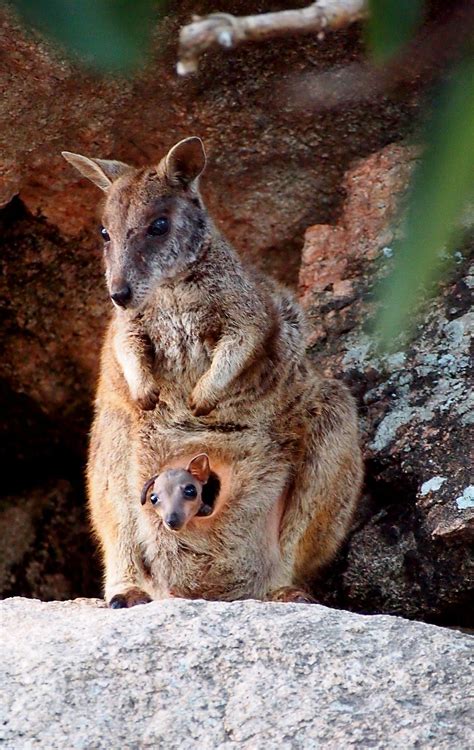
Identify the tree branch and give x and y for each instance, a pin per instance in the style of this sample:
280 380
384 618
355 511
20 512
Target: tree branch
226 30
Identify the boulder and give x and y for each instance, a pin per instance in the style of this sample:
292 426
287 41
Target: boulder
180 674
411 549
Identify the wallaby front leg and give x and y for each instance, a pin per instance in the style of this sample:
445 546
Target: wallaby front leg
232 355
135 360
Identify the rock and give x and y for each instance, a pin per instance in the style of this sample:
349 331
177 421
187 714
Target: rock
411 550
40 527
213 675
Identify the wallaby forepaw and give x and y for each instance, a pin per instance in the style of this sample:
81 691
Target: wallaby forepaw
148 400
200 408
129 598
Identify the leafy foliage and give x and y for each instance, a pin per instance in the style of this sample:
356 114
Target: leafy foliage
391 25
443 182
440 188
109 35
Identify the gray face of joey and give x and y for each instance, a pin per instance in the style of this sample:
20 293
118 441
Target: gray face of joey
176 494
153 225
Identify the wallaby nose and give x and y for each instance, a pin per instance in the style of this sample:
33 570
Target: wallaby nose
173 521
122 296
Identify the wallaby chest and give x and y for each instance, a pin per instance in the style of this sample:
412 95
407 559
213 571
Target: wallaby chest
183 337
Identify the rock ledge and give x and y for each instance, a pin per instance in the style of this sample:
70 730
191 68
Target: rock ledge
182 674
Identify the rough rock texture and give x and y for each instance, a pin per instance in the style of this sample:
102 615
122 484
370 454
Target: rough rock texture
39 534
411 552
212 675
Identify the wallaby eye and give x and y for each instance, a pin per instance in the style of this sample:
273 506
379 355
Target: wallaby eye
105 234
154 498
190 490
159 227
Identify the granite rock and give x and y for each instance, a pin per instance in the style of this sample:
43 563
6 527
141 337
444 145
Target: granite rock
411 550
208 675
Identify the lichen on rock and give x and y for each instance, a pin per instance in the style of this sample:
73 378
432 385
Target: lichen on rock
411 550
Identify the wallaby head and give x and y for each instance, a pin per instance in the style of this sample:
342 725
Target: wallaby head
177 493
153 222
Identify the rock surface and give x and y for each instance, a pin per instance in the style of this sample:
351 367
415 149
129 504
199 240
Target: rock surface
180 674
412 549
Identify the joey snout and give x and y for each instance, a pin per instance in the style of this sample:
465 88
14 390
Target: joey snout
174 521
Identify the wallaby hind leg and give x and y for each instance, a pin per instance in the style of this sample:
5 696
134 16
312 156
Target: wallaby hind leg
327 485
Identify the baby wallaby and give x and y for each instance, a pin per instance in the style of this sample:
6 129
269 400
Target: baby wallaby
177 493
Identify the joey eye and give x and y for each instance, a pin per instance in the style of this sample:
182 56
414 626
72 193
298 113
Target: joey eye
105 234
154 498
190 491
159 227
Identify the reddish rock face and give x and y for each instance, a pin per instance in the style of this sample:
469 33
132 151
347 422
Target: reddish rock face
337 259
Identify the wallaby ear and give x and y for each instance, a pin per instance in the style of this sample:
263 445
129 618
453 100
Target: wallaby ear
199 467
102 172
185 161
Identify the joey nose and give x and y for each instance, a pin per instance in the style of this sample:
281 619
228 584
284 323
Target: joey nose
122 296
173 521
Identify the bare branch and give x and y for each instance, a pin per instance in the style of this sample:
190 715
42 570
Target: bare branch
226 30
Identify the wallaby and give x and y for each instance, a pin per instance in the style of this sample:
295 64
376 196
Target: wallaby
205 354
177 493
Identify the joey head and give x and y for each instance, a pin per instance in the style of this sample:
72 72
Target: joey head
176 494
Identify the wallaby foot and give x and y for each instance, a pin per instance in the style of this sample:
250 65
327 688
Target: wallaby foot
291 594
129 598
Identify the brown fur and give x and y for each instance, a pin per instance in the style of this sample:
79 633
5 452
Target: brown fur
209 356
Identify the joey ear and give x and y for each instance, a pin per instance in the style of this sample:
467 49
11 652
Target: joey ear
102 172
199 467
146 487
185 161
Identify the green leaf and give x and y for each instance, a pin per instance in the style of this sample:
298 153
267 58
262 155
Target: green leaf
109 35
441 186
391 25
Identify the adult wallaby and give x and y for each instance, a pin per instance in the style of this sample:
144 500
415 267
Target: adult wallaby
206 355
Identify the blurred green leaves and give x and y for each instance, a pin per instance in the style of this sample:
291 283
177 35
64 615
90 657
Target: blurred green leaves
108 35
441 186
391 25
443 182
